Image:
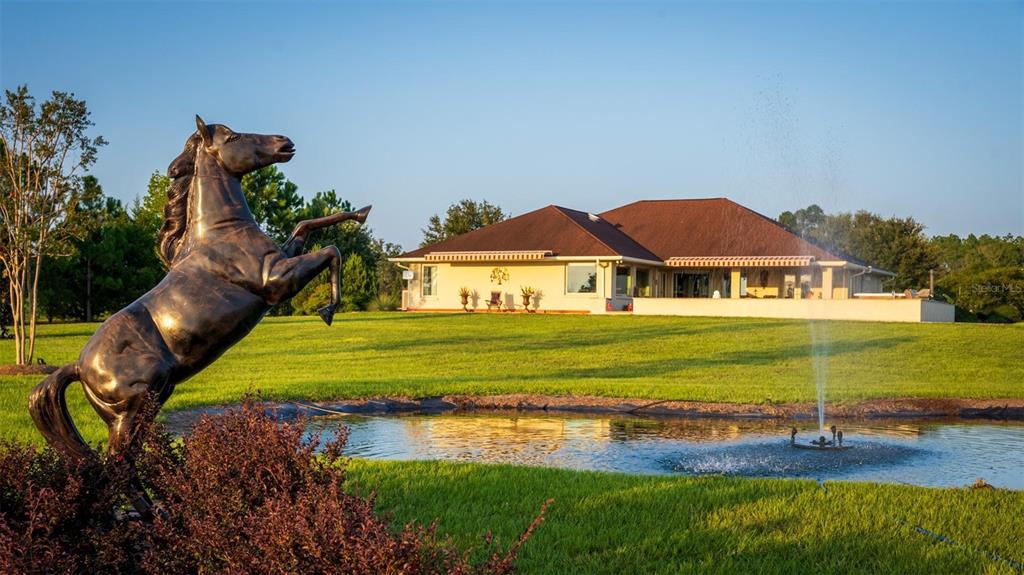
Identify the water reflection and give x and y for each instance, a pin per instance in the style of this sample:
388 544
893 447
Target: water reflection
923 452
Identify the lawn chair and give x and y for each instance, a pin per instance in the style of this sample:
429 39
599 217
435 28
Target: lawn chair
495 301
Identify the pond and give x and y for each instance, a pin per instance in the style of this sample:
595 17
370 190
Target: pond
928 452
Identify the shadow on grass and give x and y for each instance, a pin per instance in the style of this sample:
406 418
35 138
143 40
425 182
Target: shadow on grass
737 359
564 339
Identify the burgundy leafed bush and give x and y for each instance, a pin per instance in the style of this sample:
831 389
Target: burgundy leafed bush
242 494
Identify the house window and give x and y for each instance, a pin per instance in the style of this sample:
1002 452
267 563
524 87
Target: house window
429 282
581 278
643 282
623 281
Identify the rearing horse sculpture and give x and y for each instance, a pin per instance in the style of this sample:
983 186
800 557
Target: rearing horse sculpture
225 274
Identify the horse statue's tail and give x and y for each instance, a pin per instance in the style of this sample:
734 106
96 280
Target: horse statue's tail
49 410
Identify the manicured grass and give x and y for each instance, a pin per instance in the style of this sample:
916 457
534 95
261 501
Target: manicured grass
701 359
612 523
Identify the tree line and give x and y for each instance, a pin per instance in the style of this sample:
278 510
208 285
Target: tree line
982 275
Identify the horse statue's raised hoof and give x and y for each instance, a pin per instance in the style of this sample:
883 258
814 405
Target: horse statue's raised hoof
326 313
361 214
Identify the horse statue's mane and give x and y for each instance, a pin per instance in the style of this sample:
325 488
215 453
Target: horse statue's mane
181 171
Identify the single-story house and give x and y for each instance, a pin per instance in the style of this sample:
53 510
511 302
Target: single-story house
709 257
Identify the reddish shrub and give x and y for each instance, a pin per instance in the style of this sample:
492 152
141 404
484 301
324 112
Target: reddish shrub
244 493
56 516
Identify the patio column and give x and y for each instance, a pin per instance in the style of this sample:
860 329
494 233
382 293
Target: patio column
826 283
734 283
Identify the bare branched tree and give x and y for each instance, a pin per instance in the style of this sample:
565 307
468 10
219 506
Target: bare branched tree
43 151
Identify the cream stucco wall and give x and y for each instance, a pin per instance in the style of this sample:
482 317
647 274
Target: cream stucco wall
894 310
547 278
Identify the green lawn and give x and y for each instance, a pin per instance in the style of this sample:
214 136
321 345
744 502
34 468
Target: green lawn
701 359
612 523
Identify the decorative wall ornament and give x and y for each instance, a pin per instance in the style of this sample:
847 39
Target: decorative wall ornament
499 275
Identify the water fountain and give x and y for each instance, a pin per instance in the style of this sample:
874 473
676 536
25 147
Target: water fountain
819 363
836 443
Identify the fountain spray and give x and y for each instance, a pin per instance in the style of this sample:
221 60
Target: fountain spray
819 364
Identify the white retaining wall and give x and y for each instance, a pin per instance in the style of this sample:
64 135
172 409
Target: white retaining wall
897 310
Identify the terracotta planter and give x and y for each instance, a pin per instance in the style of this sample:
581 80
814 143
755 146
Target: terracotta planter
526 302
465 302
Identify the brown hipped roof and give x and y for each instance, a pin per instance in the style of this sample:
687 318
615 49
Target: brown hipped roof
715 227
654 230
560 231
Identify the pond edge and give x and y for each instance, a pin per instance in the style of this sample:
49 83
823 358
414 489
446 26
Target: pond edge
992 409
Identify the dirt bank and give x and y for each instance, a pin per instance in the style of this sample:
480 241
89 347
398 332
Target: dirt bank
899 407
1011 409
35 369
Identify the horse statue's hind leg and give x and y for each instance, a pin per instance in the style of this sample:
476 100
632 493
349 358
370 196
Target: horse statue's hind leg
287 276
125 365
290 275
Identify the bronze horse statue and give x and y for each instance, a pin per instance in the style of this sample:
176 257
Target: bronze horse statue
224 275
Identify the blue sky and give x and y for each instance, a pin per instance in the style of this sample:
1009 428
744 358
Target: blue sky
906 109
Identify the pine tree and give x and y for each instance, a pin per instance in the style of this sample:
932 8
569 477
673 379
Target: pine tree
356 284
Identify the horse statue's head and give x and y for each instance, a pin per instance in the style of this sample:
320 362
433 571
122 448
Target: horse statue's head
240 154
211 150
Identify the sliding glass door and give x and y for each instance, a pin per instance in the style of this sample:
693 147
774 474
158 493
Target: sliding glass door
691 284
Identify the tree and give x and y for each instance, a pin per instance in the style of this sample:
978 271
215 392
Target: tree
274 201
111 265
149 212
895 244
64 288
984 275
314 296
356 284
804 221
43 151
388 275
349 237
464 216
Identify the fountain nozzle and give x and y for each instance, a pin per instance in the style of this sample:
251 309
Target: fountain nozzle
821 443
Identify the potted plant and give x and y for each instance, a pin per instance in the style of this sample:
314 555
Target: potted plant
464 293
527 292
